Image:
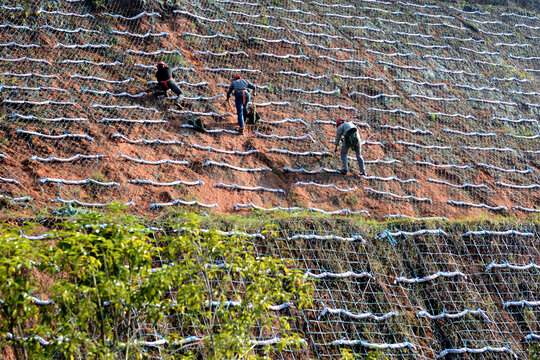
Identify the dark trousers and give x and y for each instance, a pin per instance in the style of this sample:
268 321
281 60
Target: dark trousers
241 100
171 84
345 149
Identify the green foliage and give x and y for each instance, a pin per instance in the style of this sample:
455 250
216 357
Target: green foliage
351 199
106 260
376 355
68 210
98 176
224 269
535 352
347 354
98 4
17 286
106 283
4 202
173 60
263 20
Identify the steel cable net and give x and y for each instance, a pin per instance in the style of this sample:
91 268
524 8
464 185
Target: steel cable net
394 290
414 293
445 98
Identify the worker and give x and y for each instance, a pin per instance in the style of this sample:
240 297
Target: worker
240 87
351 139
165 78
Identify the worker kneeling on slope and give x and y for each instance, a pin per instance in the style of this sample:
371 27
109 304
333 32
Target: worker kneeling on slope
349 132
240 87
165 78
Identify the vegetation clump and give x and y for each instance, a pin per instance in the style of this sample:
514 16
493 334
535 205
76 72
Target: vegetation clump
115 284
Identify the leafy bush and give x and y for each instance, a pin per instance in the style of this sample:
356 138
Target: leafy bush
535 352
111 276
107 285
222 270
18 284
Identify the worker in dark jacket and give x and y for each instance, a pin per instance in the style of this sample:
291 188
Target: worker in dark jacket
351 139
165 78
241 99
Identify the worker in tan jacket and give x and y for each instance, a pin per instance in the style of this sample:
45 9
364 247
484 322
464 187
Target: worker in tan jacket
351 139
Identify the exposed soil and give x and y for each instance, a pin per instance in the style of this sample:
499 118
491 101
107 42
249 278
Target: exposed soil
19 148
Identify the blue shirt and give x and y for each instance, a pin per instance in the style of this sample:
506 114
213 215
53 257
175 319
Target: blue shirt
239 85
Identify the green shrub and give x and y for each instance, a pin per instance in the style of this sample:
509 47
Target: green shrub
535 352
18 263
109 276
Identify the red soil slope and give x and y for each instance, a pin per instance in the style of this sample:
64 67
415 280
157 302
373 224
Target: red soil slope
464 95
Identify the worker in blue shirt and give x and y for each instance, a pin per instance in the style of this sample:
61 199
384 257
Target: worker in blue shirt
240 88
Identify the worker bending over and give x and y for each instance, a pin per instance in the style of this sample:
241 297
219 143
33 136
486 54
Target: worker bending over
351 139
241 99
165 79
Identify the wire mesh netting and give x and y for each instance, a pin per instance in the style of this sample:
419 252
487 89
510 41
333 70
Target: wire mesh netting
445 97
446 100
392 290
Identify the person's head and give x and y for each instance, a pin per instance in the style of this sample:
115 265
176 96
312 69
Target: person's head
237 77
339 121
161 65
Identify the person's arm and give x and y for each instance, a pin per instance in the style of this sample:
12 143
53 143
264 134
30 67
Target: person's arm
339 133
229 91
251 86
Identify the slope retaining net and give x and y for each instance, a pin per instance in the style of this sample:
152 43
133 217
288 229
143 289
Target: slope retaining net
445 98
393 291
412 292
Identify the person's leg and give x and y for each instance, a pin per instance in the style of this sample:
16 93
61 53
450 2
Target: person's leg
172 85
246 101
344 151
239 102
160 89
360 159
174 88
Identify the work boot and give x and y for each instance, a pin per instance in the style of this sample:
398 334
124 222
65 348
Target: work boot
240 130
